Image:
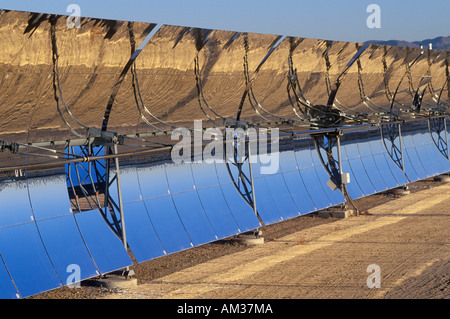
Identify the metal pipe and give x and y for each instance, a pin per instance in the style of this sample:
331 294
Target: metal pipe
338 141
119 194
86 141
446 139
169 148
251 179
401 146
84 159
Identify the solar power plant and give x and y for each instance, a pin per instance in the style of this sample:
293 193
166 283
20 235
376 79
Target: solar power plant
125 141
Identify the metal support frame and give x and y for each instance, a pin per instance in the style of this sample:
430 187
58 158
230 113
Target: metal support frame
94 180
391 136
88 178
392 112
420 92
438 131
126 272
241 181
392 139
321 116
324 144
295 93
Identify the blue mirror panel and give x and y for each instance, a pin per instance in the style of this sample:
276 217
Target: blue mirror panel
270 165
106 249
26 259
218 212
349 149
315 159
429 154
46 190
131 190
373 173
416 162
7 288
353 188
222 173
299 192
65 247
360 175
383 160
304 158
364 147
167 224
15 203
265 203
194 218
442 163
315 188
335 196
243 214
153 181
413 165
180 178
204 175
288 161
141 235
408 166
383 168
384 171
282 197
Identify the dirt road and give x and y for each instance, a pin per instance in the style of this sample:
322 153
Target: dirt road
400 249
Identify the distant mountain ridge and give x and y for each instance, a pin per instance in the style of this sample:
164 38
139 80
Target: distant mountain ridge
439 43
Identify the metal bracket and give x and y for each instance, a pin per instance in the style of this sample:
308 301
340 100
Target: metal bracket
326 116
230 122
6 146
104 138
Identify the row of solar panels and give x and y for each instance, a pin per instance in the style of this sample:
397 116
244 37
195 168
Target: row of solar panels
171 207
374 171
40 238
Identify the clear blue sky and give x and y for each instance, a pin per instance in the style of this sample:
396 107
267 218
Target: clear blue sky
343 20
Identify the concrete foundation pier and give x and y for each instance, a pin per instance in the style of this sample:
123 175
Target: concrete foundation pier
401 191
335 213
442 178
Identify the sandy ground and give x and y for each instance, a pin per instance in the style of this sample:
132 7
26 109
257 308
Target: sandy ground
406 238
